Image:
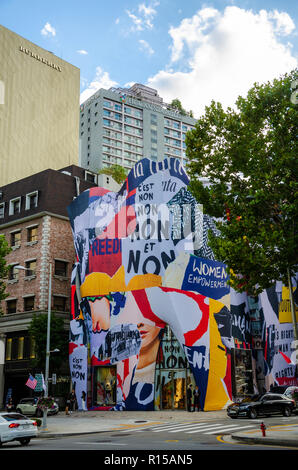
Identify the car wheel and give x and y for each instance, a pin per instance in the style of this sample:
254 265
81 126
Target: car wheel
25 441
253 413
287 411
19 411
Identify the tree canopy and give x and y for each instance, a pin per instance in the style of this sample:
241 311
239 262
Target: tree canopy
115 171
249 156
58 340
176 104
4 268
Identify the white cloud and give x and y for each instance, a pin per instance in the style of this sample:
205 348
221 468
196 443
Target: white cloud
284 23
48 30
145 46
143 18
220 55
82 52
101 80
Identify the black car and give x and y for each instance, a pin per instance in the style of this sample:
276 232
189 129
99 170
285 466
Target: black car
257 405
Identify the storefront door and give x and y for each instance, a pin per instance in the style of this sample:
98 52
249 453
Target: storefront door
173 389
104 387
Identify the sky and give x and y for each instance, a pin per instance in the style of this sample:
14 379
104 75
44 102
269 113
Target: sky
193 50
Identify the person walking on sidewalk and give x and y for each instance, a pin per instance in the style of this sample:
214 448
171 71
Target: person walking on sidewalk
83 397
189 397
196 395
72 401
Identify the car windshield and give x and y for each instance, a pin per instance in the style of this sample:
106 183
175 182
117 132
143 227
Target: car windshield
13 417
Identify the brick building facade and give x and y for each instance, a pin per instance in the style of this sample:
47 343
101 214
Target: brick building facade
34 220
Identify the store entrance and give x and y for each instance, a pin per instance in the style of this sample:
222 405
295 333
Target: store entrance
173 390
172 375
104 386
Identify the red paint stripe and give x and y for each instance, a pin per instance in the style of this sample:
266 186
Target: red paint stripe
286 358
141 298
193 335
73 293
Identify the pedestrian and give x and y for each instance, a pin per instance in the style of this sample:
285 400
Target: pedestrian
196 395
9 405
189 397
72 401
83 397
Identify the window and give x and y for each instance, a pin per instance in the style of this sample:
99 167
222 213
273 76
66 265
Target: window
32 348
30 268
61 268
32 234
59 303
31 200
29 303
13 274
21 347
2 210
15 239
8 349
18 348
90 177
11 306
15 206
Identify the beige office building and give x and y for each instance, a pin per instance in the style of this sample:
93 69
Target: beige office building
39 103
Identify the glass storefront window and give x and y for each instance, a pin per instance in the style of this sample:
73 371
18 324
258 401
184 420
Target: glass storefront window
104 388
172 374
242 383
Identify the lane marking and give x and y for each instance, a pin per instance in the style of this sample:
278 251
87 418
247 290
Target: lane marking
226 428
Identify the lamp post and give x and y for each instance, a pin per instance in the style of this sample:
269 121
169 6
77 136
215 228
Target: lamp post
48 352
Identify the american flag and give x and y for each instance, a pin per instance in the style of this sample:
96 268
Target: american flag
31 382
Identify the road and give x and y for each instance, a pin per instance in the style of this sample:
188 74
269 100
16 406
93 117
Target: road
203 435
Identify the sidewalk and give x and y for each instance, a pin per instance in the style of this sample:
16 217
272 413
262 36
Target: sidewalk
91 422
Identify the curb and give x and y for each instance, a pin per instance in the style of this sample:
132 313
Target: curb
266 440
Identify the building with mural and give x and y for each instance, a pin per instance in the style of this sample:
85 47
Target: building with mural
152 312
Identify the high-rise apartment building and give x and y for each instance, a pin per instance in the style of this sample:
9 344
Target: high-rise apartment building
121 126
39 102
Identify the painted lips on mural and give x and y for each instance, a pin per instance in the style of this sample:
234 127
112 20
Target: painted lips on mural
143 262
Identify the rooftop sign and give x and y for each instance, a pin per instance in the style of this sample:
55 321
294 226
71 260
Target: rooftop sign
41 59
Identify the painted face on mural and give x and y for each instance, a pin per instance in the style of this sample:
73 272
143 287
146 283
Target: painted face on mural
100 313
148 334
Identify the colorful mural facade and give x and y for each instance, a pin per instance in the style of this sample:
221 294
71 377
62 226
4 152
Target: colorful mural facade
143 263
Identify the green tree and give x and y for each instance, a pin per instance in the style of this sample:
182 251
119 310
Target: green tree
249 156
177 105
4 268
58 340
116 171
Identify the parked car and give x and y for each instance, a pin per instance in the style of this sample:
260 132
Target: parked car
267 404
292 393
28 407
16 427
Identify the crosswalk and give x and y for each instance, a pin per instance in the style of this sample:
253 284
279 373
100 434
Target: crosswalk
192 428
